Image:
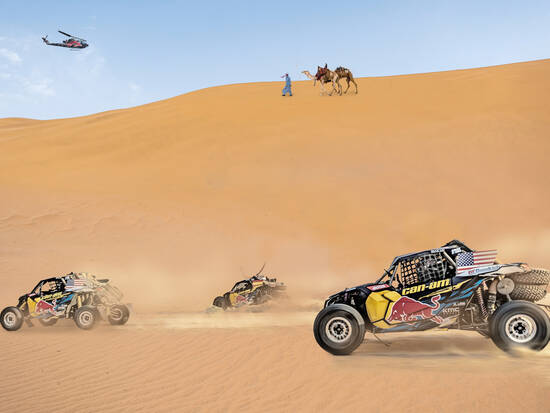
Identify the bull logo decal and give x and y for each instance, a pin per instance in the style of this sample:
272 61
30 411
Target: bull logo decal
45 307
407 309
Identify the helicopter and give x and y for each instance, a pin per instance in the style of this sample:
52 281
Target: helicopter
72 42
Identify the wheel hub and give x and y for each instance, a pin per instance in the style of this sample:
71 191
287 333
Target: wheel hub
86 318
521 328
10 319
338 329
116 314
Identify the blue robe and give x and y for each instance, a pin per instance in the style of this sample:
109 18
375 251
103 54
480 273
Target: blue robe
287 86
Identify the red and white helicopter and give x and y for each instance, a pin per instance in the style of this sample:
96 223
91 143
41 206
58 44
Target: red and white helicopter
72 42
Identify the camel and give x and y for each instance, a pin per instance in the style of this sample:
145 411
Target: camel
325 75
311 77
344 73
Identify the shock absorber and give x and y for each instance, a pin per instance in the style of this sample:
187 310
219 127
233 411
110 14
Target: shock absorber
481 303
491 303
492 297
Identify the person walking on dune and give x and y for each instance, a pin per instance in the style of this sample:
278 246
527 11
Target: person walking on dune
287 85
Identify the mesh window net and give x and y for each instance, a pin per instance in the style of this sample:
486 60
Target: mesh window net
423 268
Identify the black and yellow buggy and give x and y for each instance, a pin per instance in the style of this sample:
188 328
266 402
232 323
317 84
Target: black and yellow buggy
255 290
453 287
79 296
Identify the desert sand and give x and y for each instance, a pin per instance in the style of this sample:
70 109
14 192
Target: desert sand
178 199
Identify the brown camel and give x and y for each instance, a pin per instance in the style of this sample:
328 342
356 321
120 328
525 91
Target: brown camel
325 75
344 73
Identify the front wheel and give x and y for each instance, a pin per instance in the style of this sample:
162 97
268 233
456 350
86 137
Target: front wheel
339 329
11 318
118 314
520 324
85 317
220 302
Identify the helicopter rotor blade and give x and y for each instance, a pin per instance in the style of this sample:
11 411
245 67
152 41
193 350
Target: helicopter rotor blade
70 35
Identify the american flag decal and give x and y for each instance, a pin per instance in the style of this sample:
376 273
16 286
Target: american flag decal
75 283
469 260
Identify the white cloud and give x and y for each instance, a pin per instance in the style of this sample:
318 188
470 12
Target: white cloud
46 78
11 56
40 87
13 97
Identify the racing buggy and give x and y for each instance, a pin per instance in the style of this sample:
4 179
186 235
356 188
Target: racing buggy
79 296
255 290
452 287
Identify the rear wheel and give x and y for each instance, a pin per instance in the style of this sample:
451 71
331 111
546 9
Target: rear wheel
85 317
338 330
11 318
261 296
47 322
118 314
520 324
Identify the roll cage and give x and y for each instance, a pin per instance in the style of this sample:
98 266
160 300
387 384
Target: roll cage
55 282
241 286
424 266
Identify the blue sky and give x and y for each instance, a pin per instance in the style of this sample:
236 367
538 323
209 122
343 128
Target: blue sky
143 51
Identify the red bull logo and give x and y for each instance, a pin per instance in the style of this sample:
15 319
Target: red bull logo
240 299
407 309
44 307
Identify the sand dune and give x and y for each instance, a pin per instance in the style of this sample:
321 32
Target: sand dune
178 199
262 368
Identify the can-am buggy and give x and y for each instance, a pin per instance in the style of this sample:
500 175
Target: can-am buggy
255 290
79 296
453 287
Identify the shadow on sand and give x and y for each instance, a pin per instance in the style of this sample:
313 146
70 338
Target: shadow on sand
429 345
